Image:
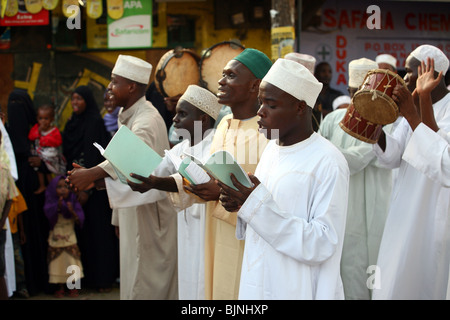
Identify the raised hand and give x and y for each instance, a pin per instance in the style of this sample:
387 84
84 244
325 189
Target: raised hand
404 100
426 82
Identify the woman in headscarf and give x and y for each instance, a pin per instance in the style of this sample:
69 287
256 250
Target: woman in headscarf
21 117
97 241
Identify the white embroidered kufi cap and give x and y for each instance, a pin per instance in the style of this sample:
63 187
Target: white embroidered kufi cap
133 68
386 58
422 52
203 99
305 59
340 101
357 71
295 79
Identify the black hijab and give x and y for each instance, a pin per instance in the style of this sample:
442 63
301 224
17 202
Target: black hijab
21 117
82 130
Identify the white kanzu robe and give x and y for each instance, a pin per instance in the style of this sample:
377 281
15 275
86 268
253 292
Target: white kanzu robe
368 204
293 223
429 152
191 224
148 229
413 261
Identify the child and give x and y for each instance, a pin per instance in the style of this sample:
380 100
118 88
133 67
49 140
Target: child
47 140
112 114
62 210
8 191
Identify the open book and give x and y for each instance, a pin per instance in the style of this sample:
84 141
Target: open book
219 165
191 171
128 153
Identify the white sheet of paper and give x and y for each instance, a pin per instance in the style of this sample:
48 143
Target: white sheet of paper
99 147
197 173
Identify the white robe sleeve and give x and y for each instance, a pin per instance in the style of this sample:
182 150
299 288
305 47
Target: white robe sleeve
310 240
395 146
182 200
358 157
429 152
10 151
120 195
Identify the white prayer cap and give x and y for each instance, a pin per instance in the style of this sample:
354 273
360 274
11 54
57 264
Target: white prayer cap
304 59
357 70
340 101
133 68
203 99
295 79
386 58
422 52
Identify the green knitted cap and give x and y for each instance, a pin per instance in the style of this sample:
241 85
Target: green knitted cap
256 61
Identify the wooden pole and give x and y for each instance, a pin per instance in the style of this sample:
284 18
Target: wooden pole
282 27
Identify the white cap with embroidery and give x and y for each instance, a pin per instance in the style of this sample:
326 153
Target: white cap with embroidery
357 71
422 52
203 99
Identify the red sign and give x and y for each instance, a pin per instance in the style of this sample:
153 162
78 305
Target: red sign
26 19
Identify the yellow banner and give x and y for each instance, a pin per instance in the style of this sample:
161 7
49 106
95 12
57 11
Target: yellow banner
282 41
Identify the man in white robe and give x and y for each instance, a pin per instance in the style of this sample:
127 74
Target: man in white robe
428 150
147 226
293 218
196 113
368 197
413 261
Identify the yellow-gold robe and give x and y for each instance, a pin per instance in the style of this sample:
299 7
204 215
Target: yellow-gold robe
223 251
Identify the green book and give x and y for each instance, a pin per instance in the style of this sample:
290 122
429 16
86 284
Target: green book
220 165
128 153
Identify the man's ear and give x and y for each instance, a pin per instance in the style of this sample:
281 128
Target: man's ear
132 87
255 85
302 107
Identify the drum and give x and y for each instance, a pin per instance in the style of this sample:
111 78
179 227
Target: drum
358 127
373 100
176 70
213 60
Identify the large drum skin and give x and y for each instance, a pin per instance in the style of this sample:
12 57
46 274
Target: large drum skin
373 100
213 60
176 70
